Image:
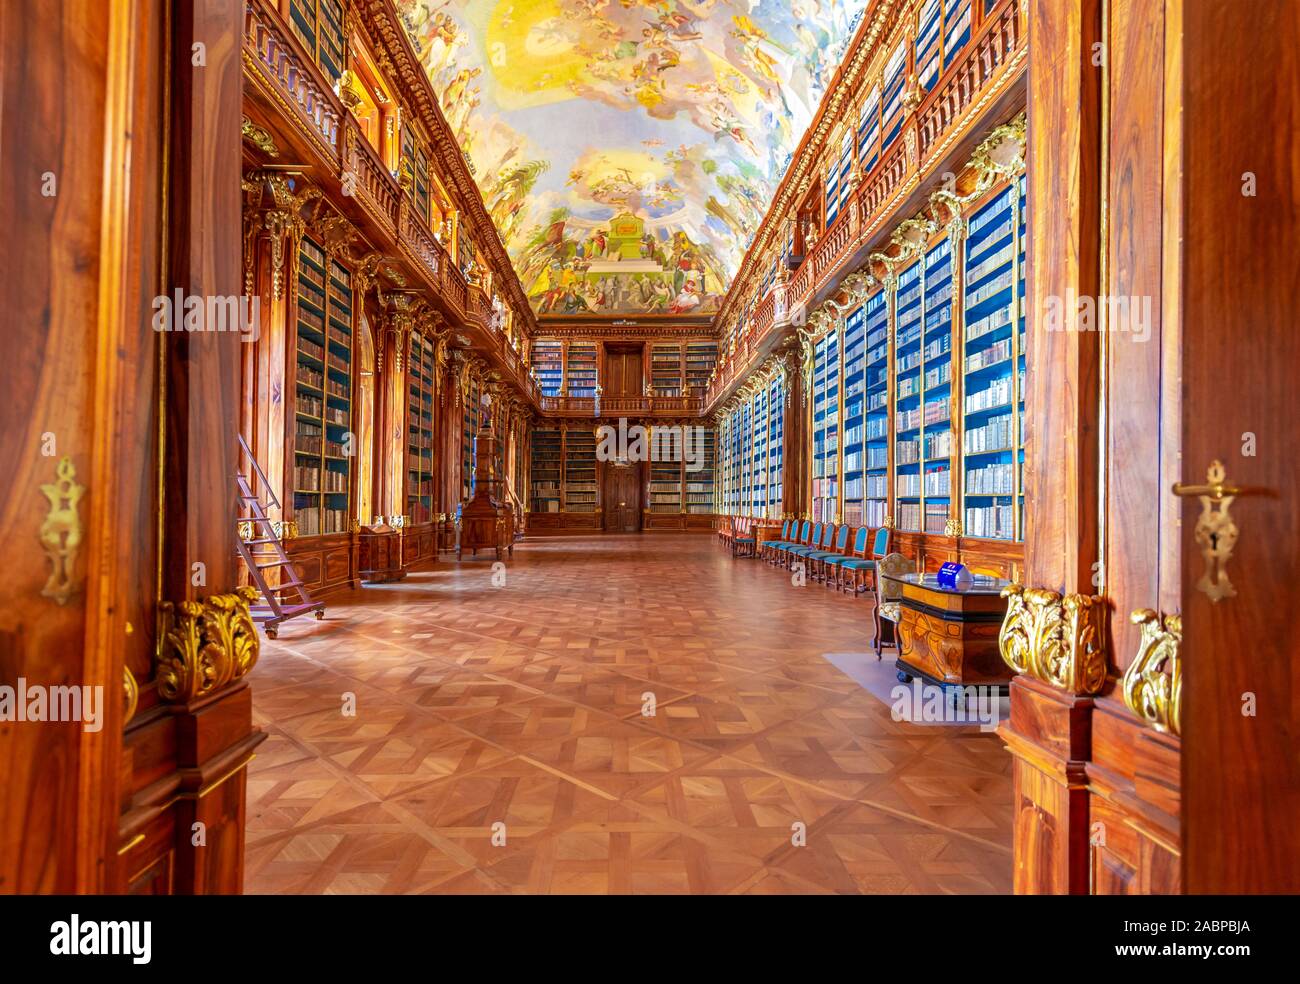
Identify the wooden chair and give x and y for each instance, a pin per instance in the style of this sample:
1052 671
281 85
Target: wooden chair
799 534
795 553
888 595
858 551
769 546
818 558
859 569
742 544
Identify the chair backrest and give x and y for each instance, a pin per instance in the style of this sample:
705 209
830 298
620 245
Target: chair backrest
816 535
842 540
803 534
860 542
880 546
828 536
894 563
785 529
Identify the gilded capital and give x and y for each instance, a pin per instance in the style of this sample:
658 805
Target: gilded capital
1054 638
205 645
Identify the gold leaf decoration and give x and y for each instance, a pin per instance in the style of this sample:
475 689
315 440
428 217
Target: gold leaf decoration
1054 638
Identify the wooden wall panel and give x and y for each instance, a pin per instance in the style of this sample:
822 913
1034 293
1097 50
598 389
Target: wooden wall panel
1134 380
205 260
1241 358
1064 250
54 89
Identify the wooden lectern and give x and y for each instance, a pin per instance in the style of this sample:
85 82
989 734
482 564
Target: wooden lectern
487 520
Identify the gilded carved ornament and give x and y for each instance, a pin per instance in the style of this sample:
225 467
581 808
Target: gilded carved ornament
61 530
205 645
130 695
1054 638
1152 686
259 138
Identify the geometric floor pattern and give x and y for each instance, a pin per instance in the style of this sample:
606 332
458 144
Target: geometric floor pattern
624 714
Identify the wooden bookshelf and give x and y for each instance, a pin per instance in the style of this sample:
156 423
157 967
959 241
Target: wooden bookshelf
420 473
318 24
580 369
826 429
758 473
322 434
470 419
666 369
699 484
580 489
548 364
545 494
918 399
701 358
775 441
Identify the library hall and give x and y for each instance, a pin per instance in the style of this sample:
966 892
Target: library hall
652 447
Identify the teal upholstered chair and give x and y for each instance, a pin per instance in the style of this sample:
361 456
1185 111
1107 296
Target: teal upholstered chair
817 559
858 570
818 544
768 545
835 565
795 553
798 536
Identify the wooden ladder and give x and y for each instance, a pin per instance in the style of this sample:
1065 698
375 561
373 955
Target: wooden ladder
264 551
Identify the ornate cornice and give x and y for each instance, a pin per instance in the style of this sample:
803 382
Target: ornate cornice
1055 639
205 645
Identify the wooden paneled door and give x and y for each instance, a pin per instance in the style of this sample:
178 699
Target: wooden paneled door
1241 357
623 498
624 370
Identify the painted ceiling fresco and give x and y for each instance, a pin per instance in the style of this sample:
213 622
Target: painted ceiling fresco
627 149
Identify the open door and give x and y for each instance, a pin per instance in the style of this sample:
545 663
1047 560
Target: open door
1241 362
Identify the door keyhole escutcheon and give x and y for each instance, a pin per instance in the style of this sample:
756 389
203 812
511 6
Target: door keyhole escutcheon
1215 532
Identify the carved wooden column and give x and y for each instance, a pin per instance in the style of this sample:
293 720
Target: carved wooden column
208 642
796 451
391 357
1053 634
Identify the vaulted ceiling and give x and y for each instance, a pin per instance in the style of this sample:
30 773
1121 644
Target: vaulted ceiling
627 149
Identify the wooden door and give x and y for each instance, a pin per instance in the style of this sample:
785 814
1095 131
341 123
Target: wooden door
623 498
1241 357
623 371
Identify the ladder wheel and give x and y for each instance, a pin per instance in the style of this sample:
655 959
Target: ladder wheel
272 632
320 614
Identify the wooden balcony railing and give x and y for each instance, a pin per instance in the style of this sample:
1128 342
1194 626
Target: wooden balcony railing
266 39
999 37
419 242
368 180
946 108
614 406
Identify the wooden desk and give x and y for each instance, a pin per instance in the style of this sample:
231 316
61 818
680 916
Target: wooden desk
950 637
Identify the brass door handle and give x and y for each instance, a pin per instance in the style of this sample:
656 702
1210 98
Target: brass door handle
1215 532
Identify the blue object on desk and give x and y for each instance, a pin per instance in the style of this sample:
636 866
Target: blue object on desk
954 576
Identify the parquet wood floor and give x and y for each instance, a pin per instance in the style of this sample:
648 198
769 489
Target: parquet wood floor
499 743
